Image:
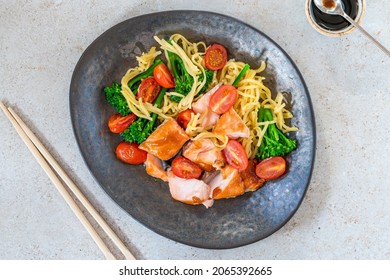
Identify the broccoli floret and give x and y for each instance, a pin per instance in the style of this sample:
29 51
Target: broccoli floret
115 98
274 142
114 95
183 80
140 129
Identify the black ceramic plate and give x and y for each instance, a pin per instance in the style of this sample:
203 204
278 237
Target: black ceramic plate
228 223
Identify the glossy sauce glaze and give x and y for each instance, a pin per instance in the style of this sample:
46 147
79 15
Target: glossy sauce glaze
335 22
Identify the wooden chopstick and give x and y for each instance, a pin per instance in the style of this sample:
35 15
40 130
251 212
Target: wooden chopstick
47 162
107 229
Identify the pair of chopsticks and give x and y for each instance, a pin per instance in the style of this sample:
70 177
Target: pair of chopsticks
50 166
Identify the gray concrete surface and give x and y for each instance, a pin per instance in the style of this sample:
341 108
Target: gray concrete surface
346 213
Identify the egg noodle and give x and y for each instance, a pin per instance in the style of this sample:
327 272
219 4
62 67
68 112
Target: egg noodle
252 94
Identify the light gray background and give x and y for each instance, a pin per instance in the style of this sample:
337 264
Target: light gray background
345 214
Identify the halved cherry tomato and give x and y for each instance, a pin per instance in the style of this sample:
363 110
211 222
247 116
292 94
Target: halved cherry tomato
148 90
184 168
271 168
184 117
163 76
223 99
235 155
130 153
118 123
216 57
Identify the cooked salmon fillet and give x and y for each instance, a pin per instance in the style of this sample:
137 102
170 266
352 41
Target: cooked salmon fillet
154 167
251 181
204 153
166 141
201 106
227 183
189 191
231 124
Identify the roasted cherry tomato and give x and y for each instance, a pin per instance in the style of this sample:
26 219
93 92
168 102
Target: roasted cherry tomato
148 90
271 168
235 155
223 99
184 168
163 76
184 117
118 123
216 57
130 153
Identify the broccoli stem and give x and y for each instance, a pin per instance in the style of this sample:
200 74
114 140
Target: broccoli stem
274 142
177 65
134 83
240 75
158 103
209 79
183 80
160 98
